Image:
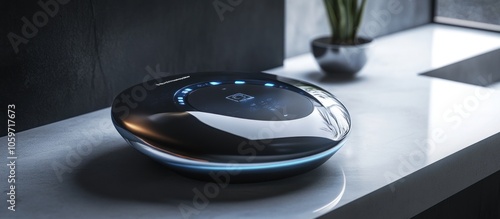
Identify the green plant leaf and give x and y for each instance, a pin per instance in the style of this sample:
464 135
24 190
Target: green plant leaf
332 17
359 17
344 18
349 18
342 25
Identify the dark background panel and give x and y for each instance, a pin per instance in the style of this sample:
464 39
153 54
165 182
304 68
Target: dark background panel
484 11
91 50
481 200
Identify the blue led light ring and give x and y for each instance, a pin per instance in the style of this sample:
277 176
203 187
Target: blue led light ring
181 95
215 166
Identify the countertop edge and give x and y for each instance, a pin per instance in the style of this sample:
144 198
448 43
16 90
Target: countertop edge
451 175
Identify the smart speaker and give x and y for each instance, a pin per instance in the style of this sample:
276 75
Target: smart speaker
243 127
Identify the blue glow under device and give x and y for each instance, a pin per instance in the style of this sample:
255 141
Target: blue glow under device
248 127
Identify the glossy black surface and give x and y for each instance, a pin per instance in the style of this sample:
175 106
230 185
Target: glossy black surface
251 101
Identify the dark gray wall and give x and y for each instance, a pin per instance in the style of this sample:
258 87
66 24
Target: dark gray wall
306 19
92 49
485 11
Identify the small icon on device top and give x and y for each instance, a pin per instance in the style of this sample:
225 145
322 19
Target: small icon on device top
239 97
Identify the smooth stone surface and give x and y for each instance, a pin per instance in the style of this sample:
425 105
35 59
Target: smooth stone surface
408 149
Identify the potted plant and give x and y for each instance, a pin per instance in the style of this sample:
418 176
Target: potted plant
344 52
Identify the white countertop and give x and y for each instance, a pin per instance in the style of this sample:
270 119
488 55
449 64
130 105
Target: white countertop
415 141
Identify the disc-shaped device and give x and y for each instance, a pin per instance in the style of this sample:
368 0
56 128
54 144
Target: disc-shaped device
243 127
